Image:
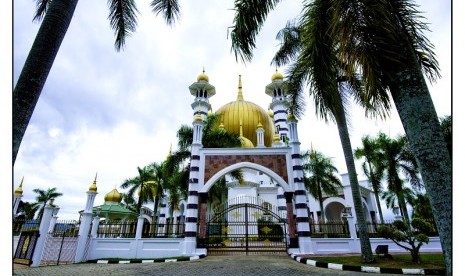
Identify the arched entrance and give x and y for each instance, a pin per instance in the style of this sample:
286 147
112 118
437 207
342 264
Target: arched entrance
246 225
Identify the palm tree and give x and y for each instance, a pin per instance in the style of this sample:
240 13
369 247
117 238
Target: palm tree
143 184
392 201
320 177
57 15
397 158
27 210
384 40
446 128
314 55
43 196
372 167
390 47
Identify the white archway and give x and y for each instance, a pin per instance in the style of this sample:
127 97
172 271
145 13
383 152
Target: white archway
205 188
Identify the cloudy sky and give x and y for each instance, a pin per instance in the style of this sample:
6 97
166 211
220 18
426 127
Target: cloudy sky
108 112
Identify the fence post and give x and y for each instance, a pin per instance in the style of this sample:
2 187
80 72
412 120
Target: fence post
95 224
43 229
53 221
140 225
352 228
86 220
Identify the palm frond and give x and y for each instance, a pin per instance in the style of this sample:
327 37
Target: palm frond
41 9
170 10
123 20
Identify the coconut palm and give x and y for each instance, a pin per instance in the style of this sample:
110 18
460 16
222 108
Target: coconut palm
144 184
44 196
27 210
372 167
57 15
396 159
390 47
384 40
320 177
392 201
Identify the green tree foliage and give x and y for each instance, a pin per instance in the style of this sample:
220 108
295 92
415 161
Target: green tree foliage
44 196
408 237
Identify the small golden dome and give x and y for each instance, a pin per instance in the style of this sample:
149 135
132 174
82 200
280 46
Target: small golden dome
203 76
93 187
276 138
19 190
198 118
113 196
246 143
270 113
277 76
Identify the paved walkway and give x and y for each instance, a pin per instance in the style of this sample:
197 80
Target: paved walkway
239 265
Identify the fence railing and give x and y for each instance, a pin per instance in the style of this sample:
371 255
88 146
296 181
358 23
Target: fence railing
24 225
117 229
329 229
65 228
163 230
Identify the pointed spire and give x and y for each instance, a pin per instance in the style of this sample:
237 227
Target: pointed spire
240 97
93 187
19 190
170 151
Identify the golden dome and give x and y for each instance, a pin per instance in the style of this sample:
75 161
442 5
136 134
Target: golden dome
277 76
113 196
93 187
19 190
246 143
250 114
203 76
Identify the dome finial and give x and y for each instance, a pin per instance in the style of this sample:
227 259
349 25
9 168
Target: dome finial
203 76
93 187
19 190
240 128
277 76
240 97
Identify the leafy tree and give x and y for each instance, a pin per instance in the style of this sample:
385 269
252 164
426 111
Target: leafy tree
409 238
372 167
446 128
384 40
27 210
57 15
44 196
143 184
320 177
397 158
392 201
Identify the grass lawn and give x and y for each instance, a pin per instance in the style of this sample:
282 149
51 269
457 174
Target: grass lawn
428 261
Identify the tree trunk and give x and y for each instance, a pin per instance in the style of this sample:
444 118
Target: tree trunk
38 64
365 245
418 115
378 205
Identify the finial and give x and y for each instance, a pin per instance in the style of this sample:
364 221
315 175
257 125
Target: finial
240 97
93 187
259 123
169 152
240 128
19 190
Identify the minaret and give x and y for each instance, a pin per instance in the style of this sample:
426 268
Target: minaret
202 91
260 135
279 104
18 194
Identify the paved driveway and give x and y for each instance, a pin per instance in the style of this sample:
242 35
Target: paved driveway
211 265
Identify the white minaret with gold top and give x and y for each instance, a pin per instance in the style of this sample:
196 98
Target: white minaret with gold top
18 194
279 104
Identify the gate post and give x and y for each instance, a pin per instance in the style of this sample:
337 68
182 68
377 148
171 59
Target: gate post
95 223
203 220
140 226
43 229
86 220
290 220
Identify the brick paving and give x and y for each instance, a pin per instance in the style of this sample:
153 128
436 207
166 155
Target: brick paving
238 265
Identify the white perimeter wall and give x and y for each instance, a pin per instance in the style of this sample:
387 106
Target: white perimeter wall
100 248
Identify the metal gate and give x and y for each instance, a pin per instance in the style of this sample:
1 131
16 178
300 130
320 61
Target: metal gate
246 228
26 245
61 244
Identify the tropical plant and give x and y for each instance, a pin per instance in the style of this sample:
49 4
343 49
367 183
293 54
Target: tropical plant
446 128
372 167
129 202
27 210
409 238
397 158
320 177
384 40
392 201
144 184
57 15
44 196
313 53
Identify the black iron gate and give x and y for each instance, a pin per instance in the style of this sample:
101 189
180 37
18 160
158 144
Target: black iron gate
246 228
26 245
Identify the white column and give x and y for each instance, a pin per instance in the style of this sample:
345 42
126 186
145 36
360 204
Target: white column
84 227
95 223
43 229
140 225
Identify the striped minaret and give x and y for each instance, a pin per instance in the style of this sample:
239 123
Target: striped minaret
300 194
279 105
202 91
